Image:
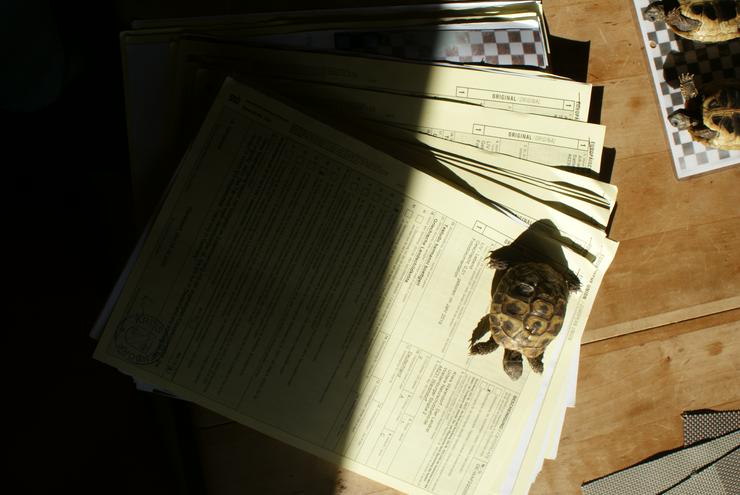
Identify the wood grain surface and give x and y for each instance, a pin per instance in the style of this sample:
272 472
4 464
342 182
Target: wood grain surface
679 240
631 393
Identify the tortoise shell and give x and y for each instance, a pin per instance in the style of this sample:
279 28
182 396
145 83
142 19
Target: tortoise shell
712 116
528 307
706 21
527 310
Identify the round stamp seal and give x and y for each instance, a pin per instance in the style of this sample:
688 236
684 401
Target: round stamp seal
140 339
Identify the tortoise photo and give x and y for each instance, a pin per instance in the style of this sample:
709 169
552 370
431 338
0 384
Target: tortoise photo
706 21
527 311
711 116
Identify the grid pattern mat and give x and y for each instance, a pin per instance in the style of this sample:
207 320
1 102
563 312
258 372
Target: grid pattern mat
656 475
701 425
500 47
670 55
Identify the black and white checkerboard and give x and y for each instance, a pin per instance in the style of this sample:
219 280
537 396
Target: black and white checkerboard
668 56
510 47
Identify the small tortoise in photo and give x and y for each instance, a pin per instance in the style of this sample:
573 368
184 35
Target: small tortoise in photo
527 312
711 116
705 21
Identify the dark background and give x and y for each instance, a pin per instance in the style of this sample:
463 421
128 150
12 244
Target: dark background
76 425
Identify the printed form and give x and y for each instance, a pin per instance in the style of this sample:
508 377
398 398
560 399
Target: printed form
321 292
546 140
580 236
499 88
503 128
592 198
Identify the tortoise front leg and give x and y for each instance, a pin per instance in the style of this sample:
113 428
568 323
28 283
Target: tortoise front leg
680 22
486 347
705 133
480 330
688 86
513 364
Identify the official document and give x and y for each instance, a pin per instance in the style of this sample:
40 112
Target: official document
527 208
581 195
536 138
317 290
513 90
546 140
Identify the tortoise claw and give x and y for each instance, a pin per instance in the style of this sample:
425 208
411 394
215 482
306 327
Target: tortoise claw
480 330
497 263
483 347
572 281
688 86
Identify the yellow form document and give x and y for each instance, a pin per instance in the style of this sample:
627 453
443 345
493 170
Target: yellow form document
502 88
546 140
498 190
321 292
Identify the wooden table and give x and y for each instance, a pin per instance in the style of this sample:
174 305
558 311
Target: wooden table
679 240
662 335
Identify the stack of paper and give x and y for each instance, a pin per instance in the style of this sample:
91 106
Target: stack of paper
317 264
510 32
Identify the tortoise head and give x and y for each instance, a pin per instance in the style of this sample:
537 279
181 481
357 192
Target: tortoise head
655 12
680 120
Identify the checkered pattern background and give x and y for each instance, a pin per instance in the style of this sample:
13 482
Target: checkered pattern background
499 47
669 56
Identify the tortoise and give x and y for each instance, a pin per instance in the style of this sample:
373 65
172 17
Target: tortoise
527 311
706 21
712 117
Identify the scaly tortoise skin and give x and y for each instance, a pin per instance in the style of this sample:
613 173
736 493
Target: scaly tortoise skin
706 21
711 116
527 311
